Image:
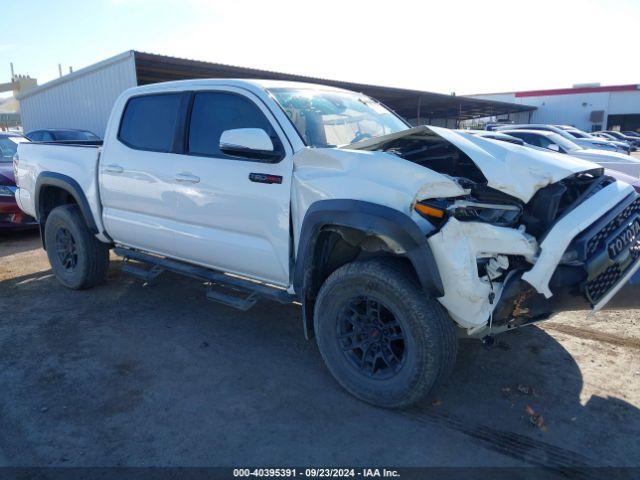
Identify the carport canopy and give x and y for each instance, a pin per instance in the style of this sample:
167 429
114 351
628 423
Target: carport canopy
417 105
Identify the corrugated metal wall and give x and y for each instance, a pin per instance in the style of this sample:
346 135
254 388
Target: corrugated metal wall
84 101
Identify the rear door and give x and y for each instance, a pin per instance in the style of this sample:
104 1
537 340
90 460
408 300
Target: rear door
136 173
233 212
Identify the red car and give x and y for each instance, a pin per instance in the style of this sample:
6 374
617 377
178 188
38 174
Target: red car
11 217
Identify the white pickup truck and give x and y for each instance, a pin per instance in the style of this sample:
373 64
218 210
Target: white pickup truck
395 240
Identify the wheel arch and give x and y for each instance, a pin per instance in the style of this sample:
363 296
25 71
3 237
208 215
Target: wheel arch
361 224
54 189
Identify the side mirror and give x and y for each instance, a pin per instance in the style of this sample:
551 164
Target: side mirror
554 147
252 143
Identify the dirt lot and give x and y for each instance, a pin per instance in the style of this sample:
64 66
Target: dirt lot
127 374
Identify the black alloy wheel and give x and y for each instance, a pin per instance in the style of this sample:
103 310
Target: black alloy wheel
371 337
66 249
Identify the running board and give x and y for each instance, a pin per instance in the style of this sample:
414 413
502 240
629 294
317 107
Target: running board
233 301
249 289
147 276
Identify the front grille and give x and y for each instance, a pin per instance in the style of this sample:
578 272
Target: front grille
598 240
598 287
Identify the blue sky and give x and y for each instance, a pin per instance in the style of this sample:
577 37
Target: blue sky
462 46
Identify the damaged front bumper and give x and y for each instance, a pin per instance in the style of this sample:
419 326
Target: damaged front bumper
582 262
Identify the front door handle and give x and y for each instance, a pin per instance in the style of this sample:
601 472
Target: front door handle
186 178
114 168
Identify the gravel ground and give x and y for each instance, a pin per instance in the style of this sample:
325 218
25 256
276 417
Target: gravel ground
135 375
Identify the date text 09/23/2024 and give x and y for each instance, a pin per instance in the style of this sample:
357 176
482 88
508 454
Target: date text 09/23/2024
316 472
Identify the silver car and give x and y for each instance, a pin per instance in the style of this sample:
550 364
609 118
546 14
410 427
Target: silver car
563 131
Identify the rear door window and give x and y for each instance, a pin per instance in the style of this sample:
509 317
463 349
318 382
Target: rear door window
149 122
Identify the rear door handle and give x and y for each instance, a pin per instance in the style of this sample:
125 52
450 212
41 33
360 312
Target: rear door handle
114 168
186 178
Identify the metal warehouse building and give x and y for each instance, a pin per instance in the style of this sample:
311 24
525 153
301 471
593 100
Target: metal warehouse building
588 107
83 99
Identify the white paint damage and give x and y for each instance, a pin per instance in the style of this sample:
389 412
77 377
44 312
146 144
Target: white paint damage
457 248
513 169
559 238
386 179
378 177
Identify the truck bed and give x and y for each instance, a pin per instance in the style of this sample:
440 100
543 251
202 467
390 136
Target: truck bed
75 160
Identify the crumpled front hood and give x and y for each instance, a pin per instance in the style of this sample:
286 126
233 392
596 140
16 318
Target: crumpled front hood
513 169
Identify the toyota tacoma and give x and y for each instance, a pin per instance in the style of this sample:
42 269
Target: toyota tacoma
396 241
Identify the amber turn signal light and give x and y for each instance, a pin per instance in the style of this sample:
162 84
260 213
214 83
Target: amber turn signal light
428 211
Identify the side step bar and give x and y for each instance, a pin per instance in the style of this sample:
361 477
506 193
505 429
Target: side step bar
147 276
250 290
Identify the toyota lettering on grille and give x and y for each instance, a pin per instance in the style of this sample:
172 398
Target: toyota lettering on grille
625 238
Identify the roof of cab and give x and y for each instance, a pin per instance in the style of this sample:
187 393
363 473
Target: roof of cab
248 84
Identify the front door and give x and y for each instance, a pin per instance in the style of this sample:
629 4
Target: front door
233 212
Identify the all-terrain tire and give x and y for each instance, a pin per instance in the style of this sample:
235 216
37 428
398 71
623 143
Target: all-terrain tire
78 259
428 348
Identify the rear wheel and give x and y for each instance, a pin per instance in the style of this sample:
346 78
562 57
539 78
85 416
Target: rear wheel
78 259
380 336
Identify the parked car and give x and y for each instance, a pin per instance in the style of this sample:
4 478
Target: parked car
583 142
492 126
604 135
611 138
579 134
635 142
552 141
631 133
496 136
62 135
393 239
11 217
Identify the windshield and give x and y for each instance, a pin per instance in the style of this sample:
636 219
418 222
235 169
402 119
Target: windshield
563 142
326 118
544 139
9 146
607 136
577 134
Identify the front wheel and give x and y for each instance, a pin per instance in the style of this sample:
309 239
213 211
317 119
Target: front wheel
78 259
380 336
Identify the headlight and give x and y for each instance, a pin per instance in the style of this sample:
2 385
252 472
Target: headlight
469 210
7 191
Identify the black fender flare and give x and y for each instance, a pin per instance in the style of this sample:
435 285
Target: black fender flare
74 189
373 219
